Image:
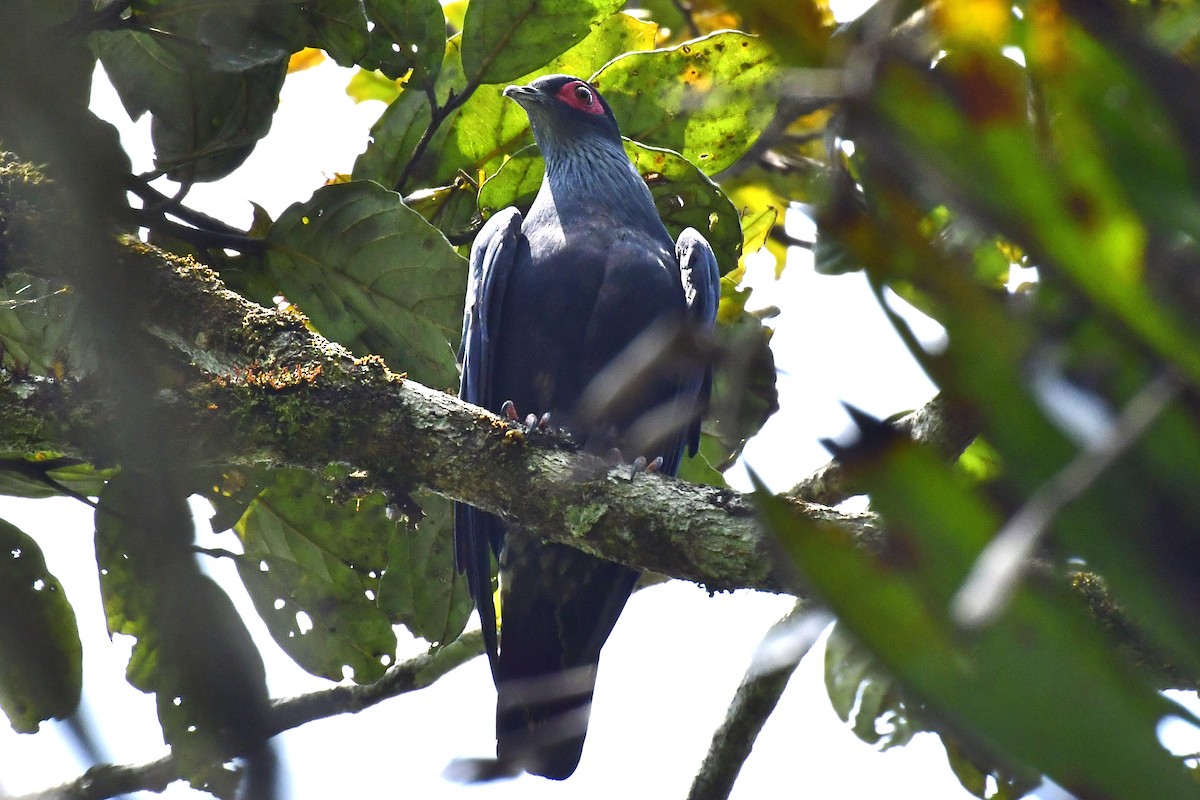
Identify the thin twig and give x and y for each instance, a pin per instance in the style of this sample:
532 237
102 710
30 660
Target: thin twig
685 10
437 115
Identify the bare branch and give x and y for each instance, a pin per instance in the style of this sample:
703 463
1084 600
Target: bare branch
788 641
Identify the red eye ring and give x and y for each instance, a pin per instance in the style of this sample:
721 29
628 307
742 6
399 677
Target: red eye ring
580 96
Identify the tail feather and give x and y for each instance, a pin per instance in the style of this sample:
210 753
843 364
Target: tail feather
541 722
558 606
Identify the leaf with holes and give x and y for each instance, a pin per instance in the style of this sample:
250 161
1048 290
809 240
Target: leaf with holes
479 136
712 96
41 660
312 569
407 34
421 586
503 39
372 274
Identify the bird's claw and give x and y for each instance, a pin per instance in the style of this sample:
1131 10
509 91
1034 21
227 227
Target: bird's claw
532 422
639 465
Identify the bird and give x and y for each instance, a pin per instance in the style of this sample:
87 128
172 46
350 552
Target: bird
555 296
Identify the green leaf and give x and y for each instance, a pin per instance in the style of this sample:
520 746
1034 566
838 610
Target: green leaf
37 320
421 587
329 560
859 687
238 36
144 70
41 659
228 115
706 467
686 197
451 208
514 184
373 275
1071 209
192 650
49 475
126 600
394 138
503 39
231 491
339 27
478 137
330 579
372 85
1013 685
408 34
712 96
206 120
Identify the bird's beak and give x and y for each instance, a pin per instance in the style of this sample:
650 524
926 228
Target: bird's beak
520 93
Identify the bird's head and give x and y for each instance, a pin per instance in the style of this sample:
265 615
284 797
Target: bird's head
563 109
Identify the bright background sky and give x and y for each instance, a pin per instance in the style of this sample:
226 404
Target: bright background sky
676 655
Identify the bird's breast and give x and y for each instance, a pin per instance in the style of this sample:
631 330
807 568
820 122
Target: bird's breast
574 301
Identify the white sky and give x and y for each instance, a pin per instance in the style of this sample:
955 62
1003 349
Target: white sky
676 656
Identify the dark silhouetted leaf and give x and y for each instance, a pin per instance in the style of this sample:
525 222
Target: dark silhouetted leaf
41 660
49 475
408 34
206 120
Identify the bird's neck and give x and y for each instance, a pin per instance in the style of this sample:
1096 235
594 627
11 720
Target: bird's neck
594 180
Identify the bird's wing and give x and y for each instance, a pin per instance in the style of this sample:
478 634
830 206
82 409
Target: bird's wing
492 257
478 535
702 290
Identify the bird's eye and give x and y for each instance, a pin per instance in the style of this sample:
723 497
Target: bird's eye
581 97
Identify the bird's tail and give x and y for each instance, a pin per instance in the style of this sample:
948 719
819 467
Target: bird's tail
541 721
558 606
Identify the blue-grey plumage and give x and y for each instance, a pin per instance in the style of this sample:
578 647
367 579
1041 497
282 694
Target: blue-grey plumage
553 298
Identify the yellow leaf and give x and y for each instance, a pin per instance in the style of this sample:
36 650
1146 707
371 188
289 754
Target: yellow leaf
305 59
373 85
984 22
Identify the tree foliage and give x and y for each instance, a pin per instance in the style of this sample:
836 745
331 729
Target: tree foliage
1025 582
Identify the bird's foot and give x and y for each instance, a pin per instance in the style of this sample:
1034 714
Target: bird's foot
532 422
639 465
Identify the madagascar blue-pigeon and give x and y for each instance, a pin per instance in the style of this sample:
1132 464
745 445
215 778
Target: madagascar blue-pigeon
554 298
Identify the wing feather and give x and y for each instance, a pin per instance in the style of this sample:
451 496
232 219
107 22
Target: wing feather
701 279
478 535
